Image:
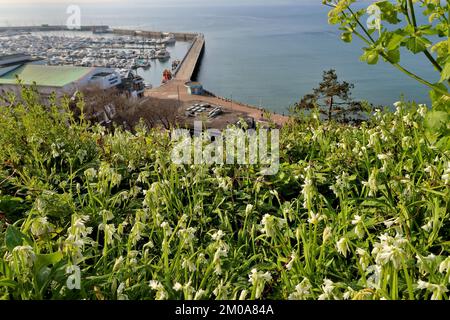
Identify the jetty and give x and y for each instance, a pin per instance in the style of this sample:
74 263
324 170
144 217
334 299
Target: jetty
187 71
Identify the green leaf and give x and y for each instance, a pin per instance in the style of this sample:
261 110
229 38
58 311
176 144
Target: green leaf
370 56
394 41
43 260
439 101
42 277
445 74
7 283
394 55
346 37
388 12
417 44
436 121
14 237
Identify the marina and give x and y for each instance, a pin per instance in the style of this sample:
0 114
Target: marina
118 52
165 62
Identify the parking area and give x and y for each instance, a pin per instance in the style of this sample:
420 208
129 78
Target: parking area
212 115
203 109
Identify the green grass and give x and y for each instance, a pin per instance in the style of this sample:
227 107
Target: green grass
354 213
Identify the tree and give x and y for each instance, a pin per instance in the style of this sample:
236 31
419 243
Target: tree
333 98
387 26
112 106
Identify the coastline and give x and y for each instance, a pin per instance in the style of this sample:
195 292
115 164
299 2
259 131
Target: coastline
185 72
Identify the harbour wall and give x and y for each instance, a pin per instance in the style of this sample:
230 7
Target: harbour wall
189 66
50 28
179 36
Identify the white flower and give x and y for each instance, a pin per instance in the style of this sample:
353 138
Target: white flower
188 264
272 225
243 295
426 263
222 251
259 279
398 105
446 175
374 280
436 289
342 184
302 290
428 226
389 223
374 11
90 173
109 230
217 235
315 218
422 110
372 182
364 258
256 276
248 209
40 226
120 290
327 233
444 266
25 255
327 288
177 287
155 285
356 219
359 226
167 228
118 264
342 246
390 250
348 294
187 235
199 294
291 262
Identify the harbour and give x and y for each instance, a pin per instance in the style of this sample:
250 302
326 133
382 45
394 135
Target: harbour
132 51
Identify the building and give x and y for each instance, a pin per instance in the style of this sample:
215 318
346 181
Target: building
194 88
14 59
62 80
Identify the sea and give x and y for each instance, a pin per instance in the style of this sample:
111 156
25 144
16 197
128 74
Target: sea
267 55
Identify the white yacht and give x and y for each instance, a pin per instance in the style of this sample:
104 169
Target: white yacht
162 54
169 39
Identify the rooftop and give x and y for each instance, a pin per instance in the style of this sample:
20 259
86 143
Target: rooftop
48 76
14 56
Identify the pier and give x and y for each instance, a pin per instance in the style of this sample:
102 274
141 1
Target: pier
44 28
191 61
176 88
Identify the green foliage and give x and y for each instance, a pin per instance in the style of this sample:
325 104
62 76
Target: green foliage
388 26
353 213
333 99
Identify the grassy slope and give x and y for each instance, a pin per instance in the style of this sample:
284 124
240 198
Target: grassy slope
353 213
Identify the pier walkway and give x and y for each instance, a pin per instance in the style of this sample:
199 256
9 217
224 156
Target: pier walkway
176 88
190 62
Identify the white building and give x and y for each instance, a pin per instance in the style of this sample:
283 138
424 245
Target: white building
48 79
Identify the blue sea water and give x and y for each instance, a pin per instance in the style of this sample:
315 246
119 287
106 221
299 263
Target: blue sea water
268 55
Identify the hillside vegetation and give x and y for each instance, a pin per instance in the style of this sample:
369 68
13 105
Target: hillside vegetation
354 212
